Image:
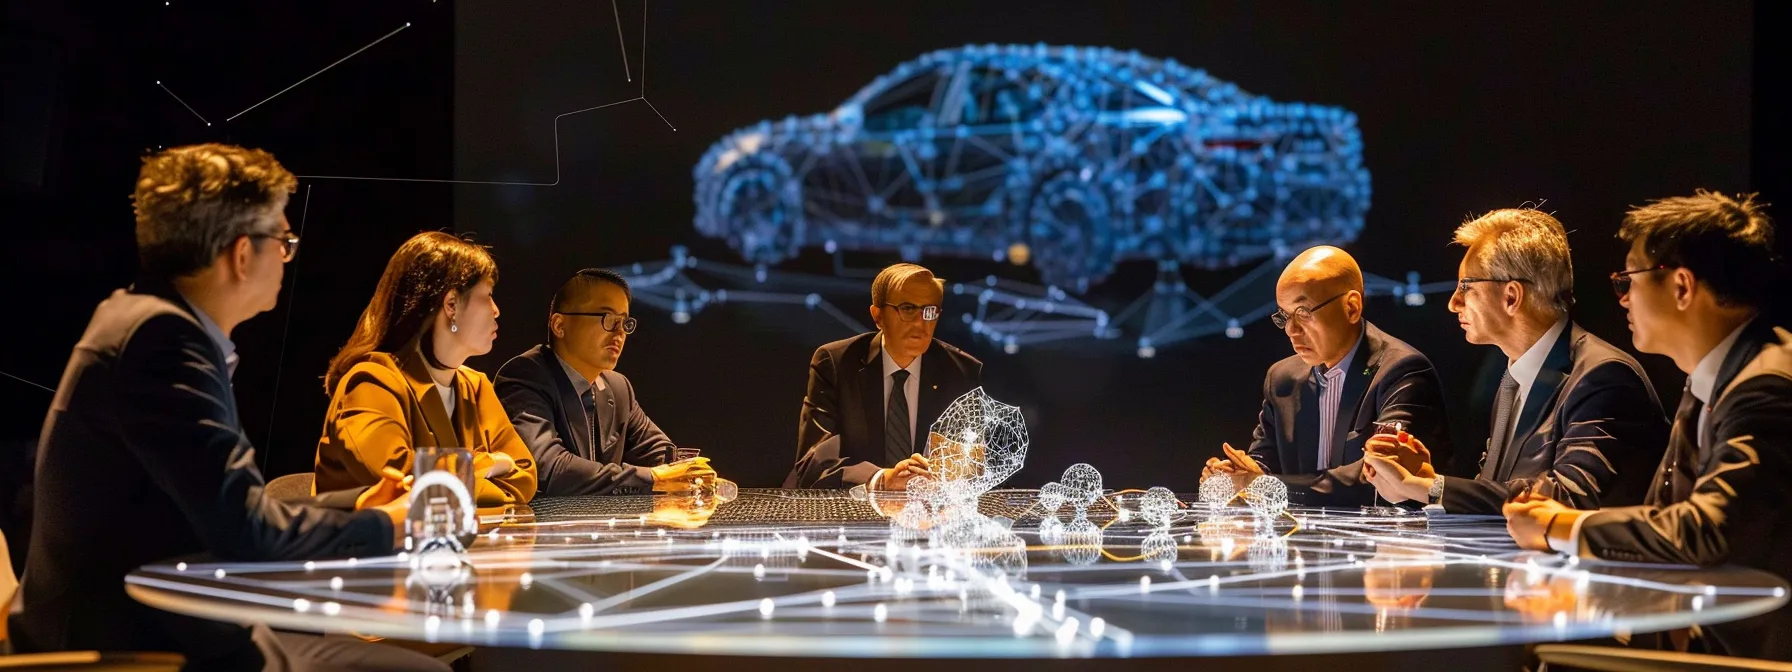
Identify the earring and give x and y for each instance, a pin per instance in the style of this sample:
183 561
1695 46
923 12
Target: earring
453 327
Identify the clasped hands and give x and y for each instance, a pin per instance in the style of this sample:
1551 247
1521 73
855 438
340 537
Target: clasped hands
1399 466
683 475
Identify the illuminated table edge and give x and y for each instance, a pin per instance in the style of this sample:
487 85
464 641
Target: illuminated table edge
897 645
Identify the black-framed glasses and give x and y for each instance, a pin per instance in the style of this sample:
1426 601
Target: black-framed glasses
1303 313
1621 279
610 321
1463 284
289 244
909 312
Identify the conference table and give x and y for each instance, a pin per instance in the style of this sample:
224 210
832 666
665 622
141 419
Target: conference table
807 579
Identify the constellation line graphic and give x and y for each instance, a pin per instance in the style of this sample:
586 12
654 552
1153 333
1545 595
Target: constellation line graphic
319 72
641 98
182 102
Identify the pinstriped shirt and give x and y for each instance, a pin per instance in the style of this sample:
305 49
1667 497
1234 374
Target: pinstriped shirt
1331 394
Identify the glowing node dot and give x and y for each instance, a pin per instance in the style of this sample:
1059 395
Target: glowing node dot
765 608
218 574
301 605
491 618
880 613
335 583
181 567
827 599
332 608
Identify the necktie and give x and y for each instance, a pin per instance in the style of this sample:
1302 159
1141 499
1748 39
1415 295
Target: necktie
1501 431
590 403
1683 451
897 443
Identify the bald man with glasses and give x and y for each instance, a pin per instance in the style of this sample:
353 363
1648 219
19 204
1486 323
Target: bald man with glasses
1346 379
872 397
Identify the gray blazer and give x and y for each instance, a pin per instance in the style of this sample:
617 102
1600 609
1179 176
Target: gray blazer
1591 423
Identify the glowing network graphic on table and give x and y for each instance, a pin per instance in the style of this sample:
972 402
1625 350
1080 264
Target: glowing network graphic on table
955 568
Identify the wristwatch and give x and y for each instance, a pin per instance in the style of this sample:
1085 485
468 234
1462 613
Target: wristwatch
1436 494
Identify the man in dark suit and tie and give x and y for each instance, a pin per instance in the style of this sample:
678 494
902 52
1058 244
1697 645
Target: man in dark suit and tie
1572 410
1699 269
143 457
577 414
872 397
1321 405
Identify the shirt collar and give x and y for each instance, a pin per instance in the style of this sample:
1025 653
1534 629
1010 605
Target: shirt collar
217 335
914 367
1524 370
1704 376
579 384
1337 372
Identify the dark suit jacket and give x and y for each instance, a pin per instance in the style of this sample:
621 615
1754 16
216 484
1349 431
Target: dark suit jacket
142 459
1387 381
1591 423
840 440
1740 508
550 418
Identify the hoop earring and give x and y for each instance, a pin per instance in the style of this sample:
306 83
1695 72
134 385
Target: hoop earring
453 327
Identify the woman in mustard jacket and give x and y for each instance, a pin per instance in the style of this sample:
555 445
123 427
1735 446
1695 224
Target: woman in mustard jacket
399 384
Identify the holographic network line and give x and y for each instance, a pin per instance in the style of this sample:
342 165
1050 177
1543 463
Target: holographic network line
292 296
182 102
556 181
314 74
661 116
27 382
620 46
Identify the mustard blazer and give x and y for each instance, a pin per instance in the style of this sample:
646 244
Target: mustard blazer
386 404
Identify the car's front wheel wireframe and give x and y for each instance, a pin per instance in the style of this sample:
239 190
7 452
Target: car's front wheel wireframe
759 206
1069 230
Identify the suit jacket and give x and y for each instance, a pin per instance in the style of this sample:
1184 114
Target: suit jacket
1591 424
387 404
142 460
1387 381
548 415
840 438
1739 510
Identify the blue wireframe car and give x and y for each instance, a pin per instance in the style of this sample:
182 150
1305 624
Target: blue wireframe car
1072 159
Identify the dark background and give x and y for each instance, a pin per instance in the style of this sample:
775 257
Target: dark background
1463 109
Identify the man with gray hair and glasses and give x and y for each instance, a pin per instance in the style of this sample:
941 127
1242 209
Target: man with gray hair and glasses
1574 417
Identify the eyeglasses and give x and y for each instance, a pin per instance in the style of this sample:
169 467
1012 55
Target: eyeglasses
1463 284
611 321
1303 313
909 312
289 244
1621 279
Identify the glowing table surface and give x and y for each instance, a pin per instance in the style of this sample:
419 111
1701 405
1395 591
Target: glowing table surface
817 573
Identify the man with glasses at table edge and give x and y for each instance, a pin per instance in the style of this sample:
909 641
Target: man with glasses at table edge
579 416
1574 416
1700 271
1346 378
873 397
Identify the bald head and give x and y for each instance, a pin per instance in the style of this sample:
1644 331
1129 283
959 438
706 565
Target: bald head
1321 293
1326 269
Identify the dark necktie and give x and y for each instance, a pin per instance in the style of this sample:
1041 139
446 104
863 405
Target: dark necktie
590 403
897 443
1501 432
1683 451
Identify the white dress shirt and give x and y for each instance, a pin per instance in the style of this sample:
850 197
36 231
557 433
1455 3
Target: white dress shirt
1524 371
1704 376
911 388
1331 394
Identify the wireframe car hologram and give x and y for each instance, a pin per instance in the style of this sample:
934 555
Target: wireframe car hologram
1071 159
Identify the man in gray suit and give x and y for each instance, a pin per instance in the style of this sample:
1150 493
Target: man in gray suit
578 415
1699 269
1572 411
